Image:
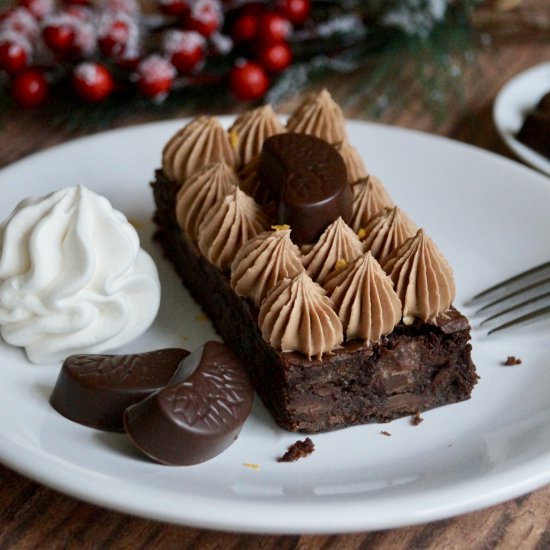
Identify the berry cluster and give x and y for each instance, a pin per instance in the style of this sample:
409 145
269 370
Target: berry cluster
260 34
110 46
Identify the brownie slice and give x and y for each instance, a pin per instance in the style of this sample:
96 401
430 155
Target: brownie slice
415 368
535 130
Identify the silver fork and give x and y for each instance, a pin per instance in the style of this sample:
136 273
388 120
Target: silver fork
524 297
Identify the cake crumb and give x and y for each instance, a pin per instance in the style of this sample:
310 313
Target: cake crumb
251 465
299 449
384 432
416 419
512 361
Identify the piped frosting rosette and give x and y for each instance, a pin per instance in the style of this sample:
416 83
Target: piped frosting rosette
262 262
73 278
251 129
297 316
199 194
364 299
387 231
319 115
423 278
227 226
199 143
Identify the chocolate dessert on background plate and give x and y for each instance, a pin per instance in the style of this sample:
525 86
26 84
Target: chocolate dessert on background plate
337 304
535 130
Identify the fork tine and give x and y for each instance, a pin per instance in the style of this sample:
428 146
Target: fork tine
509 298
543 299
524 318
512 283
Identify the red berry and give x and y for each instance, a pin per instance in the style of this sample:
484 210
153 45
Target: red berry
272 27
245 28
29 88
185 49
59 34
114 34
275 57
15 51
248 81
296 11
205 17
176 8
155 76
92 81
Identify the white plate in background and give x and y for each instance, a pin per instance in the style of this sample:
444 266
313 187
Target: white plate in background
480 208
519 96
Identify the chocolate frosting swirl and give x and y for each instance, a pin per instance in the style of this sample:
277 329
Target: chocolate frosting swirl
262 262
354 162
251 129
199 193
320 116
338 242
201 142
369 197
423 278
296 315
364 299
387 231
231 222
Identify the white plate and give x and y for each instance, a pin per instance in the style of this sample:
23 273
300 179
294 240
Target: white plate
490 217
519 96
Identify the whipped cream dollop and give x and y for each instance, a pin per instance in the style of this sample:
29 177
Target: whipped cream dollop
73 278
423 278
369 197
296 315
364 299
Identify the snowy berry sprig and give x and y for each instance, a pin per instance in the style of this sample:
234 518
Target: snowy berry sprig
105 47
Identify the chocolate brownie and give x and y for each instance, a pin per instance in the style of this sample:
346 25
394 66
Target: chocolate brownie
414 368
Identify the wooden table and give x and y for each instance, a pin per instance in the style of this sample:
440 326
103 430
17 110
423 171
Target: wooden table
33 516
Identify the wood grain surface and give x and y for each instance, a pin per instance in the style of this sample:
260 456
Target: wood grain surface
33 516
